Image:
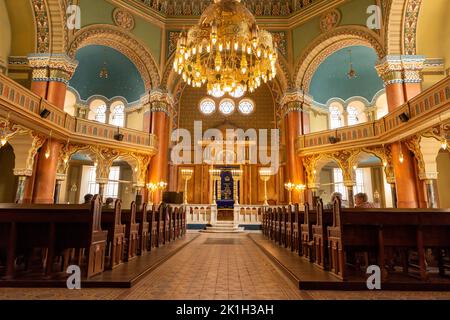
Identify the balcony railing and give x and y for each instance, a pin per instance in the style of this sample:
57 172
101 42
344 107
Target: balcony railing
428 104
26 104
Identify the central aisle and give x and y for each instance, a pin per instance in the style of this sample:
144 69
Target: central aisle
216 266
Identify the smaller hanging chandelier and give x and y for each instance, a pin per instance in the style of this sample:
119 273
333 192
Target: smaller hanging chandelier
104 73
351 73
226 51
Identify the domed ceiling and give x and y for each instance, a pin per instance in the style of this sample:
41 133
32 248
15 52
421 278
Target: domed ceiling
123 80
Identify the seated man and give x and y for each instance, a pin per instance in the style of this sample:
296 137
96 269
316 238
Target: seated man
362 201
88 198
109 202
334 196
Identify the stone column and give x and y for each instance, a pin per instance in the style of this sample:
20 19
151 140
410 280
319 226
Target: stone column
296 107
160 102
51 74
401 75
349 185
60 178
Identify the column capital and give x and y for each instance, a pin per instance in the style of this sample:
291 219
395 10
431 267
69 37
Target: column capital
295 100
158 100
52 67
401 69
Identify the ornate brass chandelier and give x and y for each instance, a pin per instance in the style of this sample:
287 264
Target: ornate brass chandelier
227 51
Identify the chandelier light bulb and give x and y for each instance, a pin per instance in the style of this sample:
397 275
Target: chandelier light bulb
444 145
401 158
3 141
47 154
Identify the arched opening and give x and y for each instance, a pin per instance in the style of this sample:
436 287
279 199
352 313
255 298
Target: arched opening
330 178
81 179
8 182
370 178
97 110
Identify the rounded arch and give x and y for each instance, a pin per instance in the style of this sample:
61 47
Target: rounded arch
56 10
125 43
325 45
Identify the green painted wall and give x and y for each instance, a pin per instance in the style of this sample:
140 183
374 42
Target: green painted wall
353 13
304 34
100 12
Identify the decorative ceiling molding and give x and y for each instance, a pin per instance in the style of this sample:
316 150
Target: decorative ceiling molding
328 43
306 9
268 8
125 43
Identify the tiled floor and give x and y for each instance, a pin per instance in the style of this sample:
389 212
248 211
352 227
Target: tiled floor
213 267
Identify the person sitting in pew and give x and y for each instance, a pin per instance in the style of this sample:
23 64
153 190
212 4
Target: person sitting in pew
88 198
334 196
362 201
109 203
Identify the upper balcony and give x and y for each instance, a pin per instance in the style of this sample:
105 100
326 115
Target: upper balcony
25 107
424 111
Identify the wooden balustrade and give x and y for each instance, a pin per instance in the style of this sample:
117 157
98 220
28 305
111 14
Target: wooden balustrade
429 103
26 105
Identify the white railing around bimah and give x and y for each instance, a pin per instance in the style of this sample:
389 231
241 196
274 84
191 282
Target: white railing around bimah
198 213
207 214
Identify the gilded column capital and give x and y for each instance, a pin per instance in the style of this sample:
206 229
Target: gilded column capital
295 100
401 69
158 100
52 67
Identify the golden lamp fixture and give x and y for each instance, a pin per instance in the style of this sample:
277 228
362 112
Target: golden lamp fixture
227 51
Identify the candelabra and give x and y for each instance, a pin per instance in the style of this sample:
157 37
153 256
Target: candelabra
187 175
236 177
152 187
161 187
289 187
300 188
265 175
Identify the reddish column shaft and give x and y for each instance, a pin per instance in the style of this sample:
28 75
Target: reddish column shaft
404 177
405 173
44 186
295 172
46 169
159 163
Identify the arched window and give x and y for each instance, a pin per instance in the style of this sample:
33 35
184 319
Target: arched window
335 117
207 106
227 106
352 116
118 115
100 113
246 106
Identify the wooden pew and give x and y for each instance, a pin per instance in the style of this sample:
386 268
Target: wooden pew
324 219
183 214
283 221
376 230
289 227
153 218
128 218
112 222
144 230
54 228
296 229
309 218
